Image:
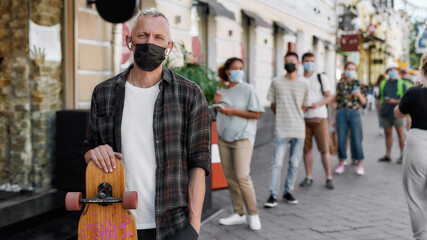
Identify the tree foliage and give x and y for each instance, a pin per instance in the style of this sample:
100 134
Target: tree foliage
195 72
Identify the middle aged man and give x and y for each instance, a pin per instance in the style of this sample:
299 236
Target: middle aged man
316 121
391 91
289 98
158 122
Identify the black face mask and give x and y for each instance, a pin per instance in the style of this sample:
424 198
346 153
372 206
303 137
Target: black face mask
290 67
148 56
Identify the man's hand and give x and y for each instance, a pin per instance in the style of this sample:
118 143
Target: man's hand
196 224
357 93
104 157
226 110
314 105
392 101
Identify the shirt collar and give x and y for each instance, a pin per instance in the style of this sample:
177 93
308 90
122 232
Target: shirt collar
122 76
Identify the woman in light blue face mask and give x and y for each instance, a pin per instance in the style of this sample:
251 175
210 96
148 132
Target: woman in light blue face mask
350 98
238 109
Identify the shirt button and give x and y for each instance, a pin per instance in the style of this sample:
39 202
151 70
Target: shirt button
155 120
157 141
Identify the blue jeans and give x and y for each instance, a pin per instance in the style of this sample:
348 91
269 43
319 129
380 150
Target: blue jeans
349 119
280 146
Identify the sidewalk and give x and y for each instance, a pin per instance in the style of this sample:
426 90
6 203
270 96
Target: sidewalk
360 207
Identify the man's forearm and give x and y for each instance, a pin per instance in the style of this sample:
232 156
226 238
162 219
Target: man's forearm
196 196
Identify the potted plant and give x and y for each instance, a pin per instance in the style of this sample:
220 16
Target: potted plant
196 72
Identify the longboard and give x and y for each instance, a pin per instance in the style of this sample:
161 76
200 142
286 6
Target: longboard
106 214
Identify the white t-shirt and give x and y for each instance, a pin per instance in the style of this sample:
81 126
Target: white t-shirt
139 158
316 95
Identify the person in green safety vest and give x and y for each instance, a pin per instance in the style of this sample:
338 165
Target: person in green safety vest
391 91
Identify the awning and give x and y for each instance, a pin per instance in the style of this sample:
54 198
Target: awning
218 9
283 27
258 21
371 38
326 43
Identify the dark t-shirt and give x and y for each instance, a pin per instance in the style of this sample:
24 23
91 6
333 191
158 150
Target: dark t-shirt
390 90
414 102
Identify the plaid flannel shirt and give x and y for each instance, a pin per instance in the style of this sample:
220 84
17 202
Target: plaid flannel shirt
181 128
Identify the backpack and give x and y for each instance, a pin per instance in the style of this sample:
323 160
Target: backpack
319 78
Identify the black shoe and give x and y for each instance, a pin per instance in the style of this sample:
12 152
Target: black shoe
384 159
306 182
271 202
329 184
289 198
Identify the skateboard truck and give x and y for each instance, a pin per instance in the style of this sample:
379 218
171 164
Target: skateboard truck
104 196
74 200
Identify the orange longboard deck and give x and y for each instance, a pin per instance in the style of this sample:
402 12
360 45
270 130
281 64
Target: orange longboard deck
99 222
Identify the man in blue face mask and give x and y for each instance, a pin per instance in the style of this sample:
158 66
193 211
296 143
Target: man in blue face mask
316 120
391 91
157 123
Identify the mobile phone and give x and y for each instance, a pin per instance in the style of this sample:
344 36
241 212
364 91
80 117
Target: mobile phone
218 105
355 88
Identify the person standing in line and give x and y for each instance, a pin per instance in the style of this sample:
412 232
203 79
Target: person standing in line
157 122
316 121
350 98
414 102
238 111
391 91
377 102
289 97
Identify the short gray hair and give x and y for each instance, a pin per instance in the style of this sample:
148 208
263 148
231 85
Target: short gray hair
149 12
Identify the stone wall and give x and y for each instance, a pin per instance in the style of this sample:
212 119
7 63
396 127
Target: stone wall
15 125
46 93
30 94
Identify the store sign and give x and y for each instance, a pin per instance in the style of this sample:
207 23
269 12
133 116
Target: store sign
378 61
421 41
350 42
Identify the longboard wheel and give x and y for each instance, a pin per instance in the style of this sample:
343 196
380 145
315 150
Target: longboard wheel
72 201
130 200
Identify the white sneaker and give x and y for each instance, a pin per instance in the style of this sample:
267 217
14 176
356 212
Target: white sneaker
234 219
360 171
340 169
254 222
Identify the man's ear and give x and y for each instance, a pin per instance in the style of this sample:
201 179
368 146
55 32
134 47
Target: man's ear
129 44
169 48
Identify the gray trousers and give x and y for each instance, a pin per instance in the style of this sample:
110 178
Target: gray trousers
415 180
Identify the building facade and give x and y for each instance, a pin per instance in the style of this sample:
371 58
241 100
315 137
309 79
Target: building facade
55 52
384 36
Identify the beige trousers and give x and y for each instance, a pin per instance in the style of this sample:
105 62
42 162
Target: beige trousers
236 162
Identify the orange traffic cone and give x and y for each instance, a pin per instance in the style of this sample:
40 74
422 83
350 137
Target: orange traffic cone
218 178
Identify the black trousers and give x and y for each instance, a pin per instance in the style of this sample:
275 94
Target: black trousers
187 233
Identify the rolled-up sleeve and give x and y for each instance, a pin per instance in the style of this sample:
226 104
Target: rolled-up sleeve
199 133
